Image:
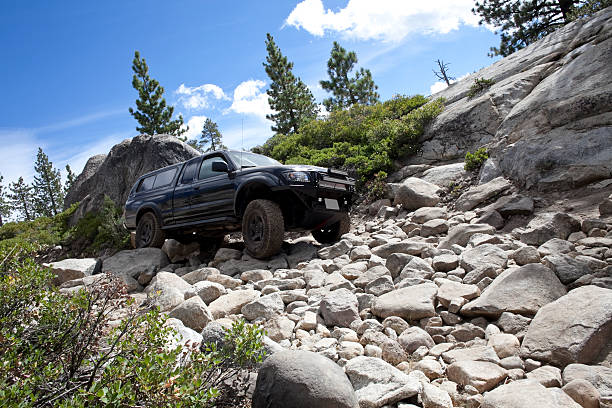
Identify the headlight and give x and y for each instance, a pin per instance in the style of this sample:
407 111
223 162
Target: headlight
297 176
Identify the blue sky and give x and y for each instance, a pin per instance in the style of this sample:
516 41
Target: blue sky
66 66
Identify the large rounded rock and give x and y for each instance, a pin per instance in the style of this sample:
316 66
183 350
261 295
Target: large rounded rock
114 175
460 234
547 226
576 328
232 302
167 290
527 393
415 337
70 269
302 379
486 254
129 264
339 308
599 376
521 290
415 193
481 375
478 194
193 313
411 303
378 383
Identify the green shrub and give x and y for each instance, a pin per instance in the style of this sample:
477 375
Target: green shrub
480 85
363 140
375 188
103 229
474 161
42 230
62 350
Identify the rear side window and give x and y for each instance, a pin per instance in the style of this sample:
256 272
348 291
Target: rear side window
146 184
164 178
189 172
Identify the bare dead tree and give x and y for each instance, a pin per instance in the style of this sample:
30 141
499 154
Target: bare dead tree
443 72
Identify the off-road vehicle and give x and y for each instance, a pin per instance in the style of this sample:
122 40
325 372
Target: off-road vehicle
225 191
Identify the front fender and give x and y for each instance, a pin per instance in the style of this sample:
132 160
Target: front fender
258 181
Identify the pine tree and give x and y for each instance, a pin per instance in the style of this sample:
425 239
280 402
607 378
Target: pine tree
288 96
524 22
21 199
5 207
347 91
70 178
153 115
211 136
47 185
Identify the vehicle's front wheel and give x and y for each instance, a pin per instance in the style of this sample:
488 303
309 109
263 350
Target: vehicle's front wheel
263 228
331 233
148 232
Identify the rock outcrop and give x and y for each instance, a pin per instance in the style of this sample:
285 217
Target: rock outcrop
554 92
115 174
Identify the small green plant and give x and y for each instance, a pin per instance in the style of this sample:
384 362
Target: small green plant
480 85
67 350
375 188
474 161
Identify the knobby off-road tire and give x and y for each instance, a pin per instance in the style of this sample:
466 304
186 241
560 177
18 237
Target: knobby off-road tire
148 232
263 228
332 233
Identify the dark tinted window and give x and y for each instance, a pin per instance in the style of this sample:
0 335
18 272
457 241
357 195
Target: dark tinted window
206 168
164 178
189 172
146 184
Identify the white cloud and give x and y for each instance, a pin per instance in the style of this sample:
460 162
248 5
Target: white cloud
441 85
18 153
195 124
251 99
198 97
384 20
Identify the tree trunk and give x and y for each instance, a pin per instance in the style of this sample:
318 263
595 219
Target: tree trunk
566 7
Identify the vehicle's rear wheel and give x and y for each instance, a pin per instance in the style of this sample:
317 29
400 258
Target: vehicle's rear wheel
263 228
331 233
148 232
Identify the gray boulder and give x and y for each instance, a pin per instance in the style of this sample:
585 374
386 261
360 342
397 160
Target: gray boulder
486 254
178 252
378 383
70 269
568 269
193 313
167 291
118 171
302 379
444 175
479 194
266 306
547 226
460 234
521 290
410 303
129 264
575 328
415 193
527 393
599 376
339 308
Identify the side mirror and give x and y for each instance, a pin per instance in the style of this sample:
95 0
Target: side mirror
220 167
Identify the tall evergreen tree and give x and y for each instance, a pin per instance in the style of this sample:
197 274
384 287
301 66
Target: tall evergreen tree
211 137
347 91
47 185
288 96
522 22
152 114
70 178
21 199
5 207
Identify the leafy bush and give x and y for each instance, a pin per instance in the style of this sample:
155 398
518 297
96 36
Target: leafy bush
42 230
363 140
103 229
66 350
480 85
375 188
474 161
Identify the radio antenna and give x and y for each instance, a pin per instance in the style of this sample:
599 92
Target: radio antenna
242 143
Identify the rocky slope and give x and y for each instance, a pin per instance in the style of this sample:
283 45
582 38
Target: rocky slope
481 294
547 119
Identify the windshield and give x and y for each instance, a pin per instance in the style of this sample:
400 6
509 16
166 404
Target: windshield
247 159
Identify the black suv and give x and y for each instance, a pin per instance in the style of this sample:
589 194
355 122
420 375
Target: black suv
225 191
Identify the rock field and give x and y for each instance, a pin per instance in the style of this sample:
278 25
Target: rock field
429 307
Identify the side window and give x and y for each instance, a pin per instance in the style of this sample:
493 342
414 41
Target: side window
146 184
206 168
190 171
164 178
